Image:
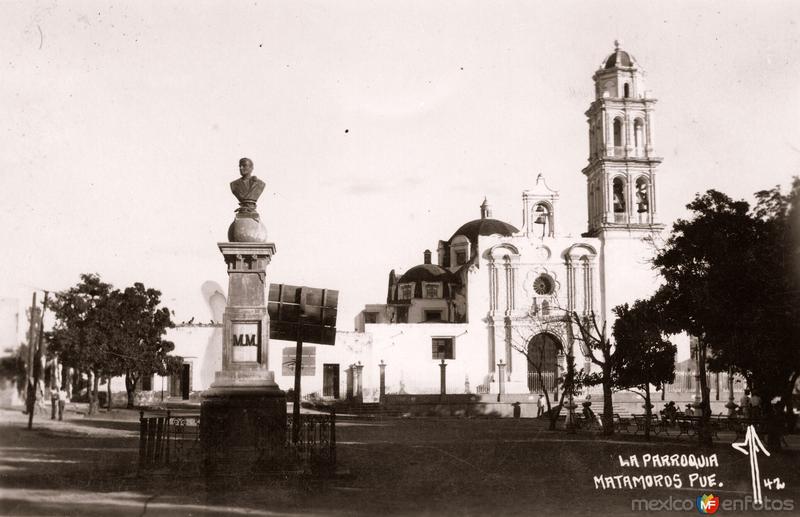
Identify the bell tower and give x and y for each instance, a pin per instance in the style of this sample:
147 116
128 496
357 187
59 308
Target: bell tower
621 174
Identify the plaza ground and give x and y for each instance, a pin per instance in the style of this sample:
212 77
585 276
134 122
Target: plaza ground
392 466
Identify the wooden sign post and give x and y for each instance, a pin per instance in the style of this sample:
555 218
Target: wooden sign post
303 314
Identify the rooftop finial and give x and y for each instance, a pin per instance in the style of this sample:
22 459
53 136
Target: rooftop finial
616 44
486 210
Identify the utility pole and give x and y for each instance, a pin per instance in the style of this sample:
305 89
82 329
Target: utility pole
36 371
30 400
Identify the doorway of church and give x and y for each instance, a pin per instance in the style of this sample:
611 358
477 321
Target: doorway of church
330 380
542 356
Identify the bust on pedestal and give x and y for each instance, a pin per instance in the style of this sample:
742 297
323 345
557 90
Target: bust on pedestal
243 414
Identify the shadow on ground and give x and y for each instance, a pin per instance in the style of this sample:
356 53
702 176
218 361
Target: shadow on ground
396 466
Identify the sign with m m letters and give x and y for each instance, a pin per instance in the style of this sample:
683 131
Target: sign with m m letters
245 341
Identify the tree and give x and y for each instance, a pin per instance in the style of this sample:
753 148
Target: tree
642 356
107 332
80 334
571 380
601 352
729 281
137 344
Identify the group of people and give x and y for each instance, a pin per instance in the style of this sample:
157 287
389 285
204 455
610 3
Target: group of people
750 406
58 400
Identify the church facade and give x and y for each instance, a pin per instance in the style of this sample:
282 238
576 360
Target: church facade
498 291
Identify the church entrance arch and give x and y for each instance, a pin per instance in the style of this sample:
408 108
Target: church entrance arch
543 356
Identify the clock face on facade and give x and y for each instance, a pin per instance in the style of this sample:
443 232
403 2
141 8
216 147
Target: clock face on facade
543 285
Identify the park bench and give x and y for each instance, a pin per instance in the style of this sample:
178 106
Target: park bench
656 425
686 425
622 423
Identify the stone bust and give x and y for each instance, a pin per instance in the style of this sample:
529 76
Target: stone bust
247 189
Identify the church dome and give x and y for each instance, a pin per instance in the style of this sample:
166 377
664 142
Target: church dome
619 59
427 273
485 226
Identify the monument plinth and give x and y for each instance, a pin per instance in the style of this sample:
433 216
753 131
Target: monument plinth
243 414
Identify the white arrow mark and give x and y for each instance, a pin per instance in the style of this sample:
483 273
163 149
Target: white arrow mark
753 443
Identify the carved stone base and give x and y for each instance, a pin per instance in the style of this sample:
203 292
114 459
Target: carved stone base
243 432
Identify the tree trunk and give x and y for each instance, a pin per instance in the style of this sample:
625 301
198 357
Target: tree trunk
130 388
608 401
108 393
704 433
648 412
788 411
93 396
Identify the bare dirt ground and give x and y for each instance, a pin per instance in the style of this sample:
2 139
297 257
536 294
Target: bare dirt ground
425 466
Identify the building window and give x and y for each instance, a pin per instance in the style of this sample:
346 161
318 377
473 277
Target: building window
543 285
638 133
443 348
402 314
432 291
406 291
433 315
642 202
619 195
147 383
461 257
370 317
617 133
626 90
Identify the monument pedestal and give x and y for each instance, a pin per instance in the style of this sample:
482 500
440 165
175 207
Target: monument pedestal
243 414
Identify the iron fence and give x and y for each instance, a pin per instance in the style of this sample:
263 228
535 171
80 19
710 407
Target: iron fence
537 384
173 439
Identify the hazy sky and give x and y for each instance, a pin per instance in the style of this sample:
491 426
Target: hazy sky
378 127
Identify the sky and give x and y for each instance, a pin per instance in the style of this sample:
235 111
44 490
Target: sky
378 127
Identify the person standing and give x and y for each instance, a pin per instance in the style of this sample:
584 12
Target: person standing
755 406
540 402
62 402
53 401
744 404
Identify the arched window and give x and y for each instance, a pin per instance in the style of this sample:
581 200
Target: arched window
638 135
617 134
619 196
542 360
626 90
642 195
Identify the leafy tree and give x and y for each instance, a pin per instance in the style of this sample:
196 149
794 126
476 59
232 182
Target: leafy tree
137 344
729 281
642 356
80 334
601 352
107 332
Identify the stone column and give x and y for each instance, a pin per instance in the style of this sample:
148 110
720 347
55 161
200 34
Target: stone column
442 378
501 379
243 413
382 397
349 372
359 389
731 405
